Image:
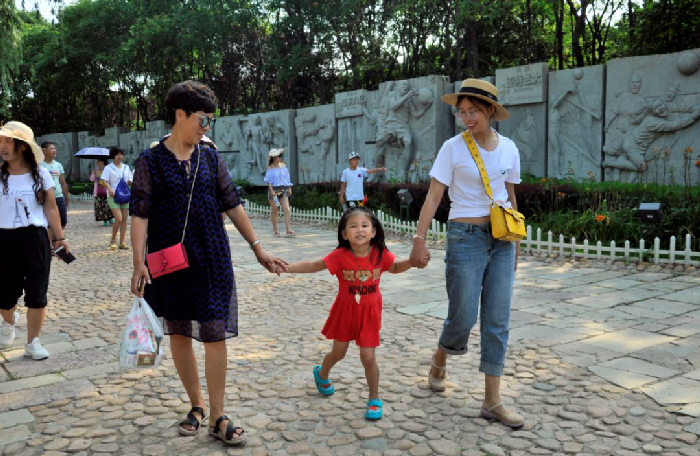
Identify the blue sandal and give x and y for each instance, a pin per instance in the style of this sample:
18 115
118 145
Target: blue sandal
324 386
374 409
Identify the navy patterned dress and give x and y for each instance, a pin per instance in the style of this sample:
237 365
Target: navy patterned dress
199 301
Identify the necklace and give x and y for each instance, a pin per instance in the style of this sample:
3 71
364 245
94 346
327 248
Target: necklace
361 274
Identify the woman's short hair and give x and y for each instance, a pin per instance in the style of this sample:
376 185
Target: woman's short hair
114 151
190 96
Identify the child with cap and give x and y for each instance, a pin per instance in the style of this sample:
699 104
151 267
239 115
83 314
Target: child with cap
351 182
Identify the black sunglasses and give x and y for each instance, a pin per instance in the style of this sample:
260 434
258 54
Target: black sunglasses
205 120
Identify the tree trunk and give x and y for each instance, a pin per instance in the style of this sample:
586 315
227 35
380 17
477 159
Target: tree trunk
559 20
579 30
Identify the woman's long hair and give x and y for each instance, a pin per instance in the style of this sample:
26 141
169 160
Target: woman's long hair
27 156
377 241
271 159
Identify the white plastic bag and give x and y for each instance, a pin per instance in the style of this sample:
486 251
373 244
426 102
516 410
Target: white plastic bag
141 344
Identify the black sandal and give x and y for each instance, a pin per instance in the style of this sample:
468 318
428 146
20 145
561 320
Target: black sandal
192 421
232 437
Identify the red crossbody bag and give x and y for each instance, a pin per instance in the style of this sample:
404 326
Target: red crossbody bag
173 258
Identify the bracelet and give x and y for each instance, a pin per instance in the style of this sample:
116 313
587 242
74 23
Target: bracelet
417 236
56 240
255 243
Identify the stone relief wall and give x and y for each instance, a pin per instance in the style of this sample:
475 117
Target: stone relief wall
575 124
652 112
624 120
316 144
523 92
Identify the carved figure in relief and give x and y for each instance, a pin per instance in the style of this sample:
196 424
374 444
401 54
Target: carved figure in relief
631 158
230 131
525 137
277 133
629 112
305 129
393 120
255 140
673 106
580 120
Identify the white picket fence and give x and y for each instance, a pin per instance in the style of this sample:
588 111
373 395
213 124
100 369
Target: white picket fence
626 252
536 244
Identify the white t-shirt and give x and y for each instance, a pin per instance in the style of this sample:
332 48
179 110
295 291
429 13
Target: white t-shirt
55 169
18 206
455 167
113 175
353 183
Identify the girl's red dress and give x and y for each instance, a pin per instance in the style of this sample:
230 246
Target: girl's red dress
349 320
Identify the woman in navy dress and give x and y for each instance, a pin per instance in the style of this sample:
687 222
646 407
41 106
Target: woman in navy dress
198 302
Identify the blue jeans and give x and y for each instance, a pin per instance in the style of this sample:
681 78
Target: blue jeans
478 265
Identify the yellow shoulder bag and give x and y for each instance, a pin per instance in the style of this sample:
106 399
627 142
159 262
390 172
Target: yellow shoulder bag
507 224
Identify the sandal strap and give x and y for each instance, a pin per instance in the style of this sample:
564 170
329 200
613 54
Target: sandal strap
494 406
375 403
199 410
220 420
231 431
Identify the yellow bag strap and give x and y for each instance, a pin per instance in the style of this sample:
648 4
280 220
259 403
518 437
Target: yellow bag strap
471 144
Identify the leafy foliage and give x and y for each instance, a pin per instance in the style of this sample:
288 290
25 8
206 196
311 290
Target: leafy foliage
110 62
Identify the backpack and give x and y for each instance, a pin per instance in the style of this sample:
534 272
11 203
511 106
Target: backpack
122 192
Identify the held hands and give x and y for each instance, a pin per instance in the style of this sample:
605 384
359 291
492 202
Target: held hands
420 256
139 279
271 263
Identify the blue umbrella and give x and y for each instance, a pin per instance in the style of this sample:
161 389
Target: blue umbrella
92 153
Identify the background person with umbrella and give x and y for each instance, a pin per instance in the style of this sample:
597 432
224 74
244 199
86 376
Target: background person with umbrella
101 155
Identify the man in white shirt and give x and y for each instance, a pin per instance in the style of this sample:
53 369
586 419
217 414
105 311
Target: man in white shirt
352 180
55 168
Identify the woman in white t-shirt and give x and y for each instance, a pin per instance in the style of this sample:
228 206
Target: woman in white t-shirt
27 208
478 267
110 177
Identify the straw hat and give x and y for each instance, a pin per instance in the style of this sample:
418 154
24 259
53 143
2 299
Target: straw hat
276 152
18 130
482 90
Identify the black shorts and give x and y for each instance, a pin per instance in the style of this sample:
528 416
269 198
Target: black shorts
62 212
25 265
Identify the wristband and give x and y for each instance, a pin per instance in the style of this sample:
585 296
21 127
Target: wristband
255 243
56 240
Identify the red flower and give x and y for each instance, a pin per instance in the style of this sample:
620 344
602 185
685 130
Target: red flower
599 218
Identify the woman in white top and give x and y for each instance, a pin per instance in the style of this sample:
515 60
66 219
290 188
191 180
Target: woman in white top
27 208
112 174
279 189
478 267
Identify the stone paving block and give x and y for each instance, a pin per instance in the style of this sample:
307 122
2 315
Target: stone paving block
440 314
685 330
677 390
689 295
43 394
46 339
691 410
670 307
14 434
639 311
33 382
651 276
622 378
620 283
548 335
627 340
27 367
693 375
601 301
669 285
418 308
9 419
640 367
89 371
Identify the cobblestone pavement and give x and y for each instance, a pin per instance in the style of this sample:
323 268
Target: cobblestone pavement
601 361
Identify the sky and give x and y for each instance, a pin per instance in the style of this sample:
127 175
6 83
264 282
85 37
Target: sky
44 6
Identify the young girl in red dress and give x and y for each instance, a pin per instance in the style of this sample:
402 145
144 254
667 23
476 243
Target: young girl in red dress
359 261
